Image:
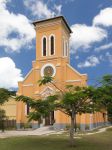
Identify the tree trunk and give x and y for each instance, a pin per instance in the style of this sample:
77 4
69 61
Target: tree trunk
3 126
75 124
72 131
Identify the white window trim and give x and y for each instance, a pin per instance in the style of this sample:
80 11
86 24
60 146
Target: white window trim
63 43
42 46
46 65
50 44
64 47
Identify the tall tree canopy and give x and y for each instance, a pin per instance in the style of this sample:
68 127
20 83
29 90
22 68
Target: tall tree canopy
72 101
4 95
104 94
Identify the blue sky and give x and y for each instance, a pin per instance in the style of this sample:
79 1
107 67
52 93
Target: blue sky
90 43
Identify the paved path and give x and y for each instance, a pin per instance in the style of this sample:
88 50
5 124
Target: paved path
99 131
39 131
42 131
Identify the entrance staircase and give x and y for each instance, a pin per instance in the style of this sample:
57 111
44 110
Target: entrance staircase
44 130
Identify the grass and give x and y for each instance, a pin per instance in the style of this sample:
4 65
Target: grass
101 141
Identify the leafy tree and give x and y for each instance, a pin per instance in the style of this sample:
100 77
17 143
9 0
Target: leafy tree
76 102
49 79
106 80
4 97
73 101
41 108
104 94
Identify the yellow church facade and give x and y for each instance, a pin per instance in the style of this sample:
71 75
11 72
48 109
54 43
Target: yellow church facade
10 108
53 58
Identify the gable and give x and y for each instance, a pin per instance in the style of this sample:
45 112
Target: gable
47 91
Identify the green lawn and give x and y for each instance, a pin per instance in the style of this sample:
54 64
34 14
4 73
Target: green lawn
101 141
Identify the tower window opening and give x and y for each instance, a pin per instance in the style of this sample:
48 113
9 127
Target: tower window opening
52 45
44 46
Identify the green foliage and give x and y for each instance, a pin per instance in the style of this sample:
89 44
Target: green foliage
45 80
4 95
39 107
78 99
106 80
104 94
73 101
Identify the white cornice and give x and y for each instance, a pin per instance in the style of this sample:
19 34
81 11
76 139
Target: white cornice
73 81
28 84
27 74
75 70
47 24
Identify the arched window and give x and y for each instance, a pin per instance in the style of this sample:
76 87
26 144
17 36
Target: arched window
52 45
44 46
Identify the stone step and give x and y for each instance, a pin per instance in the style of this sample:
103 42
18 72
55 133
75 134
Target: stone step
45 128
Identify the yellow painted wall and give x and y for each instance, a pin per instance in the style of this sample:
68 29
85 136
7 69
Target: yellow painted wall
10 108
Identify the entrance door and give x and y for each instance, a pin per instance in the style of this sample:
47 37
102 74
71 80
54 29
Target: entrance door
49 120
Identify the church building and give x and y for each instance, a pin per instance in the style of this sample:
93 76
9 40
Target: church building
53 58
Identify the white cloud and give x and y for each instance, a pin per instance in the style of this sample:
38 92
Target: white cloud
76 57
15 29
9 74
102 58
104 17
109 56
91 61
103 47
58 9
84 36
41 9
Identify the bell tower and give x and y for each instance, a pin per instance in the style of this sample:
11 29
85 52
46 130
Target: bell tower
52 38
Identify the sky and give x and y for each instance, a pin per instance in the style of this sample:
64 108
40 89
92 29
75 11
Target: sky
90 42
